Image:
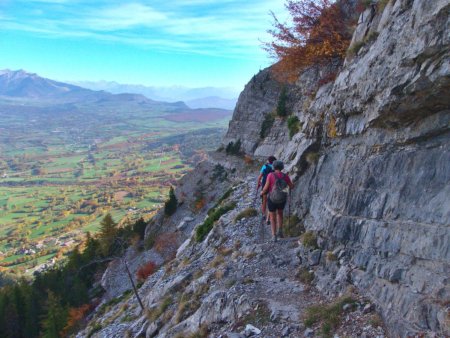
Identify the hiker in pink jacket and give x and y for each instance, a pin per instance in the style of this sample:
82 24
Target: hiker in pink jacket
276 186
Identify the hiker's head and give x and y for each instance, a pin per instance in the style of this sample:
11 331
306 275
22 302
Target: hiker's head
270 159
278 165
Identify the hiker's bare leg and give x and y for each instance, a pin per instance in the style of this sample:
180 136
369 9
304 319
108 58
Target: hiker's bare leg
264 205
279 219
273 223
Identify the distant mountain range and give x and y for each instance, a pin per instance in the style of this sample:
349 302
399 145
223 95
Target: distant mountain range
21 84
24 85
25 92
206 97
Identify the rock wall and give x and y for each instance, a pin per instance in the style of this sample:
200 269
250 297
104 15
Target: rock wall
372 162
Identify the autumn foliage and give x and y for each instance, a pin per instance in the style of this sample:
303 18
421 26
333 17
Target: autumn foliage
199 204
145 270
76 317
166 245
320 33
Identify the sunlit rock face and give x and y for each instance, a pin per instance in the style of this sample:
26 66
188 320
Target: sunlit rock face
372 160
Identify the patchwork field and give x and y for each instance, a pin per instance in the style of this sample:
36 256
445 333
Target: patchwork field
60 173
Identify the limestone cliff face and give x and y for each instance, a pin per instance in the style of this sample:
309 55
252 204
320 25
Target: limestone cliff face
372 162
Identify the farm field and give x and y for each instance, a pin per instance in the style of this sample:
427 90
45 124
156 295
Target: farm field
60 173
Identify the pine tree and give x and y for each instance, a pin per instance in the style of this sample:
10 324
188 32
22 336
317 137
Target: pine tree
171 205
32 311
56 318
91 248
107 235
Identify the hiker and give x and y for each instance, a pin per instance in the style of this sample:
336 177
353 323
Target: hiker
275 187
266 169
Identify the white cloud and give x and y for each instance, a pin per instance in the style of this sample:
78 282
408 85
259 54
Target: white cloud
231 29
51 1
122 17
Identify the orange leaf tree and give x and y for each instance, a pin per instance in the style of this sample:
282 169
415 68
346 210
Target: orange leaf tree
145 270
320 33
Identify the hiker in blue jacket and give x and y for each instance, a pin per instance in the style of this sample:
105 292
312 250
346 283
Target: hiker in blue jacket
266 169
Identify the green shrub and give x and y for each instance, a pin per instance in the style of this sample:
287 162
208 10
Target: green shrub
375 320
259 316
154 314
293 125
372 36
330 256
219 173
381 5
365 3
208 224
309 240
281 105
266 125
223 198
150 239
95 328
201 333
292 226
190 302
329 315
312 157
233 148
249 212
305 276
354 48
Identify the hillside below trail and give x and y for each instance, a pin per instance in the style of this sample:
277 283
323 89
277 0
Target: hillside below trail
236 283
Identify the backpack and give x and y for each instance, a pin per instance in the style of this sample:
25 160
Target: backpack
278 195
266 171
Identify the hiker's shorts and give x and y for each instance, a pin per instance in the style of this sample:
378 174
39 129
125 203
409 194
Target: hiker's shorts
275 206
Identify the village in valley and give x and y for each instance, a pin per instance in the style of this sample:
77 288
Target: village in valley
60 178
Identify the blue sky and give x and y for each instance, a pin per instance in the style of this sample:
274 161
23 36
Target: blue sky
192 43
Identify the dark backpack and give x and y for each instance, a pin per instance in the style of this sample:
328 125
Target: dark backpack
266 171
278 195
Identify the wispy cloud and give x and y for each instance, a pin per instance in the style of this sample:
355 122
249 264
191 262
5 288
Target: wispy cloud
51 1
230 28
122 17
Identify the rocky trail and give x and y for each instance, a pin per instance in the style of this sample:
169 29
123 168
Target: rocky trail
236 283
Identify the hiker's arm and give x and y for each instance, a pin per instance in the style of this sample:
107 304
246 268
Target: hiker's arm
290 184
266 187
259 179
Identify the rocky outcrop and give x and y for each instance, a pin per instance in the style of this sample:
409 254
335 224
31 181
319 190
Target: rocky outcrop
258 101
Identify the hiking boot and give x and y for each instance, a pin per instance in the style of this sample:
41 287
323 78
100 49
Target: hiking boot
280 233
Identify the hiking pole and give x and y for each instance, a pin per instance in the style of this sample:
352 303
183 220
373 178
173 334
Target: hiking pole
289 209
256 197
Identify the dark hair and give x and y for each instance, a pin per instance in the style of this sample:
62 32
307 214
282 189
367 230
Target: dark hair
270 159
278 165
